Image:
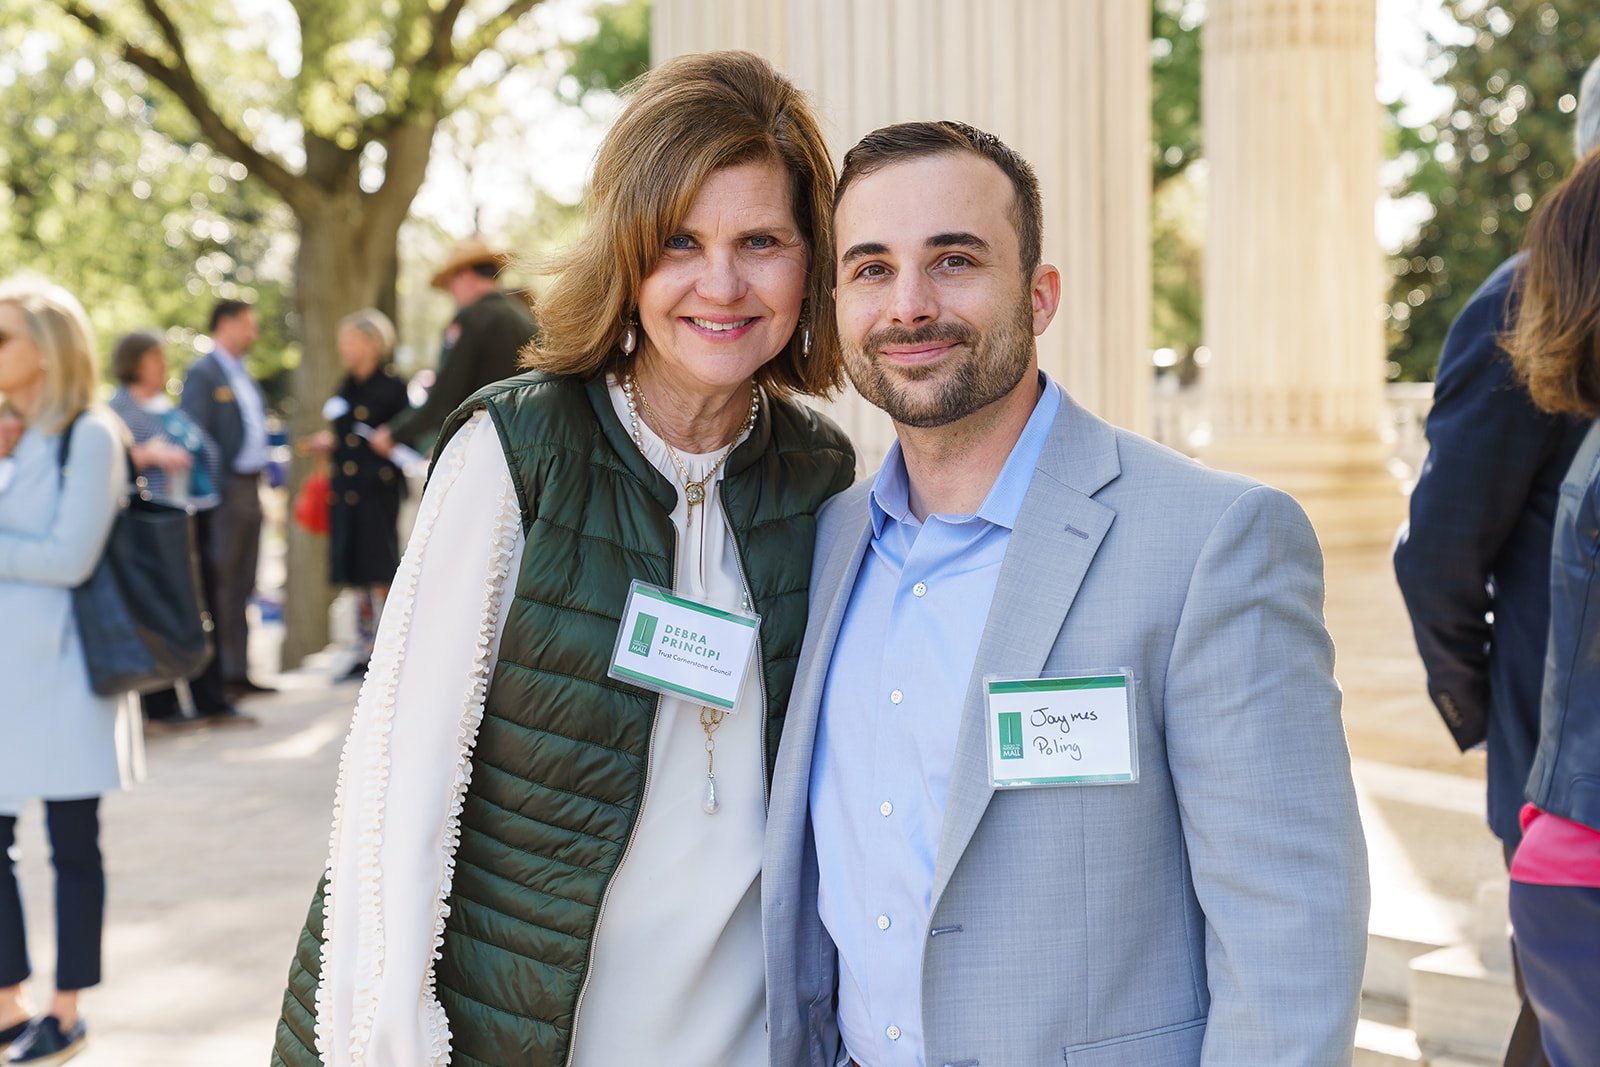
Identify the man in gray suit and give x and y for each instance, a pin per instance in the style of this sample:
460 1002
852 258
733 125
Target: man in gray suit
1063 777
220 395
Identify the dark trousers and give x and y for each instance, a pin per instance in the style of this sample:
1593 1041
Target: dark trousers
1558 936
74 827
206 688
1525 1049
233 543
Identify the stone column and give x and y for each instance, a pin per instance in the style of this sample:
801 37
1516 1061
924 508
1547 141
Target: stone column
1065 82
1294 277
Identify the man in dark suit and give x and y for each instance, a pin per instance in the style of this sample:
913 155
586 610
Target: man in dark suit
482 344
220 395
1474 563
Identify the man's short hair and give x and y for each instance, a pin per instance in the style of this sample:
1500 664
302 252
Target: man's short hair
227 309
1588 131
915 140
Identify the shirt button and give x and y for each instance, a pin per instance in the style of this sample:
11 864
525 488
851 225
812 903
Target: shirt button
883 922
886 809
896 696
920 589
892 1033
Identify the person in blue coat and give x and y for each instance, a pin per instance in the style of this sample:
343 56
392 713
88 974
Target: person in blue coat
1474 562
59 740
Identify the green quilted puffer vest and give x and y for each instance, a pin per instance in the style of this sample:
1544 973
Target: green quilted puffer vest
559 765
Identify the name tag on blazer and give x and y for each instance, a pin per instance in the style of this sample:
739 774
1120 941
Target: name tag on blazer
1067 730
222 394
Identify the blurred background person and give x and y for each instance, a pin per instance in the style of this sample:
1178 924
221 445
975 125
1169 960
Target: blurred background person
1555 875
364 510
59 740
482 344
181 465
226 402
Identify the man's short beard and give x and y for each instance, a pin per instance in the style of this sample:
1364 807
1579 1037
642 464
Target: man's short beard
995 363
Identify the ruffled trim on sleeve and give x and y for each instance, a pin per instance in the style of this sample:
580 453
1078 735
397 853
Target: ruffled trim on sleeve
507 531
367 795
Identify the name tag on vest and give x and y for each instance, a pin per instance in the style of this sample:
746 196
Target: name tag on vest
682 647
1072 730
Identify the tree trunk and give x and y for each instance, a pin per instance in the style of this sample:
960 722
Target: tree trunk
333 277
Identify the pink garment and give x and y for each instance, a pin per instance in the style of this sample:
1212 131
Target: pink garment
1556 851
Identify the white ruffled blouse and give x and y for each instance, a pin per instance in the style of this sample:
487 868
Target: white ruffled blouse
676 973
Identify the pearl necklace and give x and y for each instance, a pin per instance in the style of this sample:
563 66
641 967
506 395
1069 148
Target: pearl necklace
694 492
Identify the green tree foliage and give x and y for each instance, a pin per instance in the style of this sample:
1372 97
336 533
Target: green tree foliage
1484 163
617 53
1177 203
332 109
106 188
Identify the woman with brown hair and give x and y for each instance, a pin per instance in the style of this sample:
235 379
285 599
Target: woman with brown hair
547 837
1555 874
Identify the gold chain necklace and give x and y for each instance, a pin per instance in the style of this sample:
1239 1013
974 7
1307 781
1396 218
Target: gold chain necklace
694 492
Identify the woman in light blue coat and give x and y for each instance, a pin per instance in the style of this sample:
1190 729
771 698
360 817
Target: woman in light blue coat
59 740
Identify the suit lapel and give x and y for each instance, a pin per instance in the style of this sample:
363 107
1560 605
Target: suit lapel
1058 531
833 579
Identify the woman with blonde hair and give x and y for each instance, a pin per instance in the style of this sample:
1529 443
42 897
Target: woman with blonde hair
1555 874
59 740
364 507
547 835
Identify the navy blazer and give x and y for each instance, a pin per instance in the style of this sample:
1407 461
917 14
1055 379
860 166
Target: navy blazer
1478 545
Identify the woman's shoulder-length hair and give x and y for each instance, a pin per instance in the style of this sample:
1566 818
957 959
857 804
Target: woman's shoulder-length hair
1555 341
685 120
57 325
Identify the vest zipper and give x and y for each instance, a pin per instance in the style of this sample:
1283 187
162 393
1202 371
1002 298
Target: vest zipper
761 655
627 846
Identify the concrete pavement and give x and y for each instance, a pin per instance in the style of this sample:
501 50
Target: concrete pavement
212 861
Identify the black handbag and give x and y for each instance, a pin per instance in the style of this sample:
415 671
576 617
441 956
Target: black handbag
141 616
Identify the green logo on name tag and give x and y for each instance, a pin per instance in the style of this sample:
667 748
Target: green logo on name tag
1011 735
644 632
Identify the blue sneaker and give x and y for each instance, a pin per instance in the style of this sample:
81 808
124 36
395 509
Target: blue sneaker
44 1042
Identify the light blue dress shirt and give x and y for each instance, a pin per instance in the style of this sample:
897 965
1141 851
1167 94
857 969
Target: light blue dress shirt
886 737
253 454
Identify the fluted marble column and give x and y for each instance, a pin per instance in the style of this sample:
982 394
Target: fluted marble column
1294 277
1065 82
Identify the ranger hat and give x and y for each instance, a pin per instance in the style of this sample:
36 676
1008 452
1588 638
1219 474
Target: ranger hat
468 253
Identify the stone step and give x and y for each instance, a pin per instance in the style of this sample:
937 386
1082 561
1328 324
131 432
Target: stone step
1458 1007
1382 1037
1389 956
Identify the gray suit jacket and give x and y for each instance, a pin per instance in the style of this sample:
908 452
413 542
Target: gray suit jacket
1213 913
208 399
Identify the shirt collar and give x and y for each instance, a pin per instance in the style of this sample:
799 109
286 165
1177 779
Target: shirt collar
891 491
228 359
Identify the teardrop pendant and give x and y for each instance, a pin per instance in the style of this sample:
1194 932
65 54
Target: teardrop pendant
710 804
